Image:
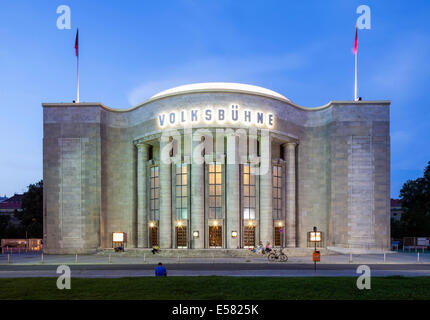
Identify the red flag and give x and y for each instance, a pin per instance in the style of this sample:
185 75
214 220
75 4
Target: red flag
355 44
77 43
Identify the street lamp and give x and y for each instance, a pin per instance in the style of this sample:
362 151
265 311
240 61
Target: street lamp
315 236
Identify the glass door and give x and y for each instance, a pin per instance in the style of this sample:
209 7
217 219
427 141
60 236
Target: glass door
215 236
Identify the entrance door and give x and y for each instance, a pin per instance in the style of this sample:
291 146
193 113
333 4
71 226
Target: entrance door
215 236
249 236
278 237
153 236
181 237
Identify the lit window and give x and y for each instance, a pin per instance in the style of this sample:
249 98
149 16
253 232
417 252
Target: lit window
277 192
215 191
181 191
155 194
249 203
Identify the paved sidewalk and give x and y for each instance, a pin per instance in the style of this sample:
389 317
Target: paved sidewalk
36 259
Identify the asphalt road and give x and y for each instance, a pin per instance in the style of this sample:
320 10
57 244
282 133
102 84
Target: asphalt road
219 269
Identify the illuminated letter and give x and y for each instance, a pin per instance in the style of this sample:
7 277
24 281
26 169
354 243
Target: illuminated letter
221 115
161 119
194 115
183 117
234 113
270 119
172 117
208 114
247 116
260 117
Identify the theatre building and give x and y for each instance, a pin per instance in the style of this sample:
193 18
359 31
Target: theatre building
216 166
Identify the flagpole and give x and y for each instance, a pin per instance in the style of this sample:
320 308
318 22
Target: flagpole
355 85
77 64
77 90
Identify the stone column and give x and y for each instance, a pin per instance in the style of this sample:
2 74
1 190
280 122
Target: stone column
142 205
197 197
232 194
266 197
165 180
290 188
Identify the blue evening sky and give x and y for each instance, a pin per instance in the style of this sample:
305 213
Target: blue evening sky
130 50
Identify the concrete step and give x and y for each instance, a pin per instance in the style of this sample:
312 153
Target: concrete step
207 253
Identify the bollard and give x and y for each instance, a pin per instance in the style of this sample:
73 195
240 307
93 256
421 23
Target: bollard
109 258
385 258
8 258
179 258
42 259
350 258
144 257
76 258
418 257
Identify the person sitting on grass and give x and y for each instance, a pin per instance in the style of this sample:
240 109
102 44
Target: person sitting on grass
160 270
155 249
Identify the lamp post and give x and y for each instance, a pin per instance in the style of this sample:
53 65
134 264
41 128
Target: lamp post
315 236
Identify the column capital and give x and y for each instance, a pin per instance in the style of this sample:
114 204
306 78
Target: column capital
139 144
290 144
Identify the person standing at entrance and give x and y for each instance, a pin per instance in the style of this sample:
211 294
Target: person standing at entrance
160 270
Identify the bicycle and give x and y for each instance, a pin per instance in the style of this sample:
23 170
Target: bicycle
276 255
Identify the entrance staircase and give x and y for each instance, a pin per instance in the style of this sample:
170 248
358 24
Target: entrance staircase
208 253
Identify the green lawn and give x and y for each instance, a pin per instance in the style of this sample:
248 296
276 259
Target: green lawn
207 288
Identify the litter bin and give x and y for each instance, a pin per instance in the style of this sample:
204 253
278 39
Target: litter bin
316 256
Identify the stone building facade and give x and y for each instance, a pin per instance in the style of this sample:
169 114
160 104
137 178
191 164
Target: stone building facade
216 165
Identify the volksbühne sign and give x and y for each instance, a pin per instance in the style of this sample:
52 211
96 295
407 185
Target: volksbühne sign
232 115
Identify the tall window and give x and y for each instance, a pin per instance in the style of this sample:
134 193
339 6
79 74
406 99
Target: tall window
215 191
181 191
277 192
155 194
248 193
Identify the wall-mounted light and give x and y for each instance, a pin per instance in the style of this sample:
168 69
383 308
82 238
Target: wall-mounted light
234 234
195 234
151 224
280 224
179 223
118 237
214 223
250 223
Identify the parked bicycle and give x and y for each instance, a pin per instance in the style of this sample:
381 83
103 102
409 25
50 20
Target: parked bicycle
277 255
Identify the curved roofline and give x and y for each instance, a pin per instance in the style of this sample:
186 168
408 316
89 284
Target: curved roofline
220 87
99 104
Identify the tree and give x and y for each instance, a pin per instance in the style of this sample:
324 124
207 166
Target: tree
415 198
4 222
31 216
